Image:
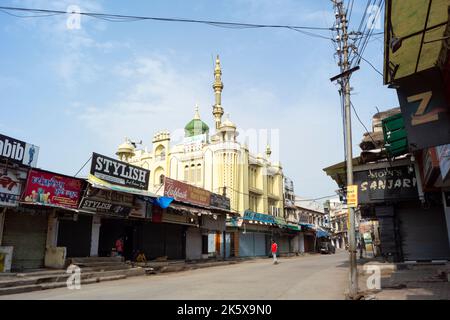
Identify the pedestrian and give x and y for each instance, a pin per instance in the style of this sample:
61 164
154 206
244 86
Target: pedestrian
119 246
274 251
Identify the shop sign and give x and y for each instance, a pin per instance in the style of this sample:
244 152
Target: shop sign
141 209
107 202
119 173
261 217
443 153
180 219
220 201
52 189
352 196
185 192
391 183
18 151
425 110
10 188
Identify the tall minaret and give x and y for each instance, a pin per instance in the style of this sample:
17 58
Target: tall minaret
218 87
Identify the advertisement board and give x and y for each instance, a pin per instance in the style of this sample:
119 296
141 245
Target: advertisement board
52 189
11 184
185 192
119 173
18 151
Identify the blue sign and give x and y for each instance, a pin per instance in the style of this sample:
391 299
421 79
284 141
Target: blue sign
261 217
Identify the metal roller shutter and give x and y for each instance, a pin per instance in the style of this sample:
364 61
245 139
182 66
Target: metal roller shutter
260 244
76 236
246 245
27 233
423 232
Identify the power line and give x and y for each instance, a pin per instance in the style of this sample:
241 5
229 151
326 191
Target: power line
368 62
131 18
362 123
83 166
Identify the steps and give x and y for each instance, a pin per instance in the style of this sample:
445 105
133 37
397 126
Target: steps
93 270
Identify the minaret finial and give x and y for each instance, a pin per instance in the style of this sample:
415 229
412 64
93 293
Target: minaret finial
197 114
218 87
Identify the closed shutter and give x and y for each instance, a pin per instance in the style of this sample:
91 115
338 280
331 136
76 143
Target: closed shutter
27 233
260 244
283 245
193 244
423 232
246 245
174 241
76 236
389 242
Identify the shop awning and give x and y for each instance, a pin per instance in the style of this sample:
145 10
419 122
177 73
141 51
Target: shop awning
322 233
191 210
293 227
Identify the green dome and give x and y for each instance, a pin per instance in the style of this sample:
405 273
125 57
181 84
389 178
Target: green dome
196 126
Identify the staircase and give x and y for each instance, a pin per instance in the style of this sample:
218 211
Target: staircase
93 269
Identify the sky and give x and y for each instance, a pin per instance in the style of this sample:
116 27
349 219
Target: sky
77 91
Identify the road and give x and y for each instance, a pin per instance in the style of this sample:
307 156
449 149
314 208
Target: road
308 277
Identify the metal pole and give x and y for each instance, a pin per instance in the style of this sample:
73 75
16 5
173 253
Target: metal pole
345 84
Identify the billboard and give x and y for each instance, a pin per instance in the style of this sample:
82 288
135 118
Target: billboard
18 151
119 173
11 183
52 189
185 192
443 153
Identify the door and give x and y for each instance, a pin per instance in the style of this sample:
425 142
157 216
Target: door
27 233
75 236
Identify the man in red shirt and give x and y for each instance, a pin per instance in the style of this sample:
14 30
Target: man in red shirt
274 251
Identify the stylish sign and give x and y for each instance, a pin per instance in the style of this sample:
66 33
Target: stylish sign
52 189
18 151
391 183
220 201
443 153
425 110
10 188
185 192
119 173
107 202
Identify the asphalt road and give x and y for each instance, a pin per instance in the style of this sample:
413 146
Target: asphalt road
308 277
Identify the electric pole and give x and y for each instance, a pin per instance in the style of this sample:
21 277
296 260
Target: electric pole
344 80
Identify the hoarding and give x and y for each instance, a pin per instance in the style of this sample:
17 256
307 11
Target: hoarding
119 173
185 192
443 153
52 189
18 151
390 183
107 202
220 201
11 184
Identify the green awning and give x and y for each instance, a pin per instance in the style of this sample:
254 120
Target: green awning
293 227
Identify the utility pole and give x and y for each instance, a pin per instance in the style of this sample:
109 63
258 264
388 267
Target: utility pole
343 52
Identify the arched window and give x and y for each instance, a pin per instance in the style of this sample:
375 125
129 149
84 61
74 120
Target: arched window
160 152
192 174
161 179
186 173
199 174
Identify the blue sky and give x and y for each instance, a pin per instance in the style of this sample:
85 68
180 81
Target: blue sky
73 92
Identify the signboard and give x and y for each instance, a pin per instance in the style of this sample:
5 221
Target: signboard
220 201
141 209
261 217
391 183
119 173
10 188
425 110
352 196
443 153
52 189
179 219
185 192
107 202
18 151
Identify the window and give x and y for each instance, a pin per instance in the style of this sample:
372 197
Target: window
199 174
161 179
192 174
186 173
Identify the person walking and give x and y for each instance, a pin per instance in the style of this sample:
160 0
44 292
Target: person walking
274 251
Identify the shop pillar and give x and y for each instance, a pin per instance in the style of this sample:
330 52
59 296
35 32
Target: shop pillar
2 222
95 235
52 230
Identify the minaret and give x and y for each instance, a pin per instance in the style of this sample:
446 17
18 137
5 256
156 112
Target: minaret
218 87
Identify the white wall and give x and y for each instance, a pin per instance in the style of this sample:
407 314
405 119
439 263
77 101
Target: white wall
95 235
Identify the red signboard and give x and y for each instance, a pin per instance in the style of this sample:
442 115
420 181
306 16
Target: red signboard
185 192
52 189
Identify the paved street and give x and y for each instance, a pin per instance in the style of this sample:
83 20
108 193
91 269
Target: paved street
309 277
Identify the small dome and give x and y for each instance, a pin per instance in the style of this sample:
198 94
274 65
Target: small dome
228 123
125 147
196 126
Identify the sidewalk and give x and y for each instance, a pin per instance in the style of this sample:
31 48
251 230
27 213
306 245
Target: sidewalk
405 281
